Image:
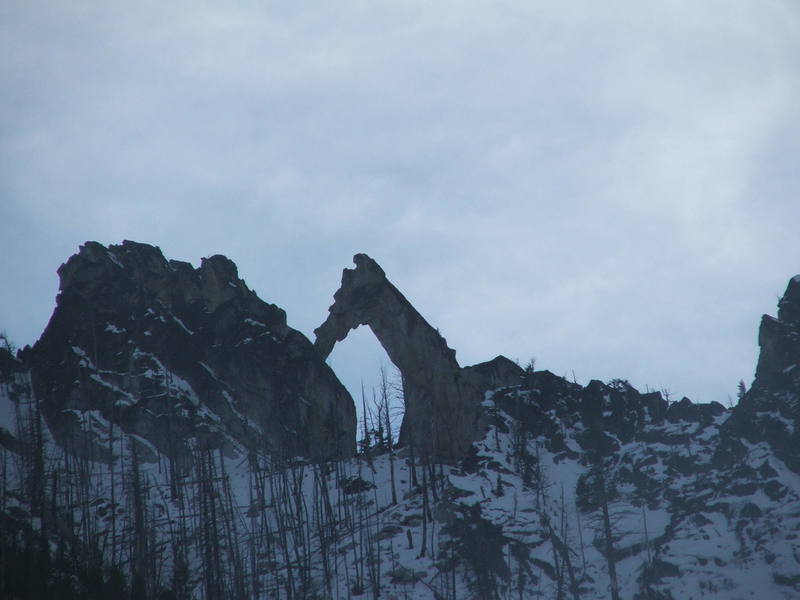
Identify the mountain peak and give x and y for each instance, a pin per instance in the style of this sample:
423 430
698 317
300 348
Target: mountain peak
134 271
770 410
136 335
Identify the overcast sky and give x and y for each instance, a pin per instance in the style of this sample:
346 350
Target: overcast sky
611 187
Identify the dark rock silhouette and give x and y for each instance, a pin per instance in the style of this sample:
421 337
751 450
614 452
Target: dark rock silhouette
172 353
442 400
770 410
561 489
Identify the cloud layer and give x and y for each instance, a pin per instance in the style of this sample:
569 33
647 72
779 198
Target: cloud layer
611 188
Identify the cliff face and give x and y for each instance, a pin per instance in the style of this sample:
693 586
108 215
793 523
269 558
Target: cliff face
179 356
770 410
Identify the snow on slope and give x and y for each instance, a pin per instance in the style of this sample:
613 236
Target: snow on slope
518 518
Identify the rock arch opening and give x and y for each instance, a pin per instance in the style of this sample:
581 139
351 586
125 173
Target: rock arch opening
357 361
442 400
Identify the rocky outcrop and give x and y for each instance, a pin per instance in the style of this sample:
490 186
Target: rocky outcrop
180 357
492 374
441 399
770 410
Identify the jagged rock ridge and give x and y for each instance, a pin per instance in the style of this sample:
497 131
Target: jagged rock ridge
178 356
770 410
565 491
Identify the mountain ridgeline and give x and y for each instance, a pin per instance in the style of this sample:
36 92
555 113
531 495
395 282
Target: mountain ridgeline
178 356
169 436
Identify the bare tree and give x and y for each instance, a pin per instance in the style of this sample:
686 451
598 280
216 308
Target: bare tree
384 412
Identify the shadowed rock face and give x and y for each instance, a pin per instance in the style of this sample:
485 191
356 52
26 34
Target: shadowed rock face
770 410
441 399
180 357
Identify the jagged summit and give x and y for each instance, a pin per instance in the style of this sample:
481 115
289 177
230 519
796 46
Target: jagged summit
770 410
136 272
172 354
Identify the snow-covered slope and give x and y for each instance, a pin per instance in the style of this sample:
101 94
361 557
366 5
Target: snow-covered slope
521 516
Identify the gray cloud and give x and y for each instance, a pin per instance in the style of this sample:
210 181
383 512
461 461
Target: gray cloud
611 188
